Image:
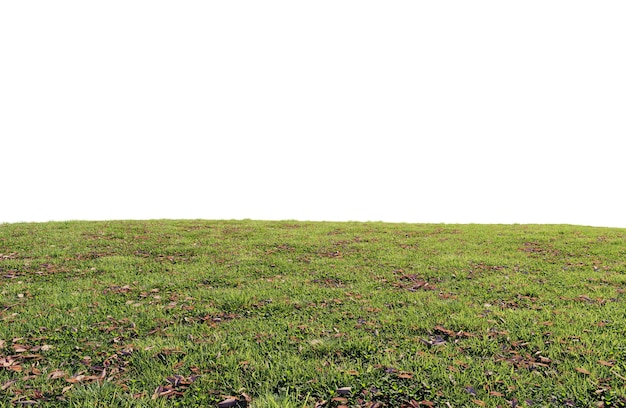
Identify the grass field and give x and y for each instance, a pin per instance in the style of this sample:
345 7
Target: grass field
301 314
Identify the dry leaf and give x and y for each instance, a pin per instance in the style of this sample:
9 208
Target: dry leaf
7 361
18 348
56 374
163 391
544 360
32 356
228 402
7 384
582 371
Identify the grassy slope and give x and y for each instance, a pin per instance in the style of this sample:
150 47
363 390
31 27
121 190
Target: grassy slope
159 313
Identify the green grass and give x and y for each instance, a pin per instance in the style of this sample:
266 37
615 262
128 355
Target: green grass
285 314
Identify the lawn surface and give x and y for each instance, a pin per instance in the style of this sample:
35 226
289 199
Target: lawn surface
303 314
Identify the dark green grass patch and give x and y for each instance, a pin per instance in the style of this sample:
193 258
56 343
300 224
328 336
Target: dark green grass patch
311 314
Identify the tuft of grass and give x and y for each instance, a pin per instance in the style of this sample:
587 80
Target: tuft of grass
311 314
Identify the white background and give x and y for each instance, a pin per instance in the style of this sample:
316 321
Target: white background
410 111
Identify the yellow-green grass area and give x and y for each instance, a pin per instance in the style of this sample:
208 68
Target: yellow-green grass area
197 313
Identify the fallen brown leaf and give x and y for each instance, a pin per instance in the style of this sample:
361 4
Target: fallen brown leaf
544 360
164 391
32 356
228 402
340 399
19 348
25 402
7 384
7 361
75 379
